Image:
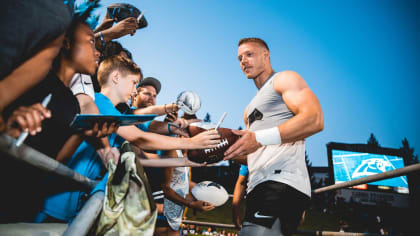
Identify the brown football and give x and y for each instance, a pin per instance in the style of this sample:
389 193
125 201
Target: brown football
212 155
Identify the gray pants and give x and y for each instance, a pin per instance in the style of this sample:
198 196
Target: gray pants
251 229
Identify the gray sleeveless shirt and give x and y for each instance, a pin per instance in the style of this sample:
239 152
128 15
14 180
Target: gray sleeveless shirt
267 109
282 163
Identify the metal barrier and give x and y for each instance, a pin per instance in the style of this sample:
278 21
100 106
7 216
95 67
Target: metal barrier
39 160
371 178
87 216
299 232
92 208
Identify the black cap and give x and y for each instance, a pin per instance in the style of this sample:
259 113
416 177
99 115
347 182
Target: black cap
150 81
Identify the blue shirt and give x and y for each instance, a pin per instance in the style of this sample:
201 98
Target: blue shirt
85 161
243 170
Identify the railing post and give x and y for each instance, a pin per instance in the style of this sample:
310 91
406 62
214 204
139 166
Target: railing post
371 178
42 161
87 216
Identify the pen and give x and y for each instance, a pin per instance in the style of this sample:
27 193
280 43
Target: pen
140 16
23 135
220 121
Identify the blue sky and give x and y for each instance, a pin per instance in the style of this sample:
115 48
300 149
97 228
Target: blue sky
361 59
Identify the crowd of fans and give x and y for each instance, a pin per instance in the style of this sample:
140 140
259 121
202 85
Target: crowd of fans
197 230
49 49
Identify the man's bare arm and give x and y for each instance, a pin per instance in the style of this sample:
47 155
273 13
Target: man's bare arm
154 160
157 109
151 141
238 195
300 100
307 121
27 75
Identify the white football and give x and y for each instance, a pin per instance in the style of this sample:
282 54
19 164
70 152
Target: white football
189 102
211 192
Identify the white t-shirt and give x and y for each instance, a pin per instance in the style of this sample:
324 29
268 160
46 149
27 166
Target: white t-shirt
81 83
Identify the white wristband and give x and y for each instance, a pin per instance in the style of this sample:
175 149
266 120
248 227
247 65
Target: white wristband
270 136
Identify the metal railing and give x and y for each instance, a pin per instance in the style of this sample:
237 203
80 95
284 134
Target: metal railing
90 211
39 160
86 217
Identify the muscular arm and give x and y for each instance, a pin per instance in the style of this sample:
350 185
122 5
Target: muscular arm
307 121
300 100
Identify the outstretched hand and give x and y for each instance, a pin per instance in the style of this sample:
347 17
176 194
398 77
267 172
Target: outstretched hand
245 145
28 119
102 130
199 205
206 139
124 27
193 164
108 154
183 125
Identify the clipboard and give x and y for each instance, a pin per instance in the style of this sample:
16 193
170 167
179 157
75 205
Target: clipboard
86 121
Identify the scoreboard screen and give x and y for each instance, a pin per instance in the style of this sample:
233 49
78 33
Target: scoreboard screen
349 165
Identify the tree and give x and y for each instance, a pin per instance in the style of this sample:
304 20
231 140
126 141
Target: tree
372 141
414 183
310 171
207 118
408 152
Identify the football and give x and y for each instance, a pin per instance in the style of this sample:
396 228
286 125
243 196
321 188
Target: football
212 155
211 192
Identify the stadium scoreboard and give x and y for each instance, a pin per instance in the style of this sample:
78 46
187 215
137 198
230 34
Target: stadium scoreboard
348 162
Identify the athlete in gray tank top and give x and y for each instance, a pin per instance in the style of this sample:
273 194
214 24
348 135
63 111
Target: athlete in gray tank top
282 114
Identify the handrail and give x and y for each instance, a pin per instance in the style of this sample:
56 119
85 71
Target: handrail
298 232
371 178
87 216
37 159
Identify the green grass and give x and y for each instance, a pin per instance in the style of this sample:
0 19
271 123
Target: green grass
222 214
314 219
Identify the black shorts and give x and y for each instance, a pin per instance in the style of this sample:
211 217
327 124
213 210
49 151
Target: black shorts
271 200
161 221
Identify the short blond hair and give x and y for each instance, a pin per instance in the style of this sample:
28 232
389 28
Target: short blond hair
254 40
123 65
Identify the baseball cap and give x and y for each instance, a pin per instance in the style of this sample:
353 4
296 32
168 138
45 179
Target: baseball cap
150 81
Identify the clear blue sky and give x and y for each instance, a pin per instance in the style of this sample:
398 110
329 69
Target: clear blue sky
361 58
